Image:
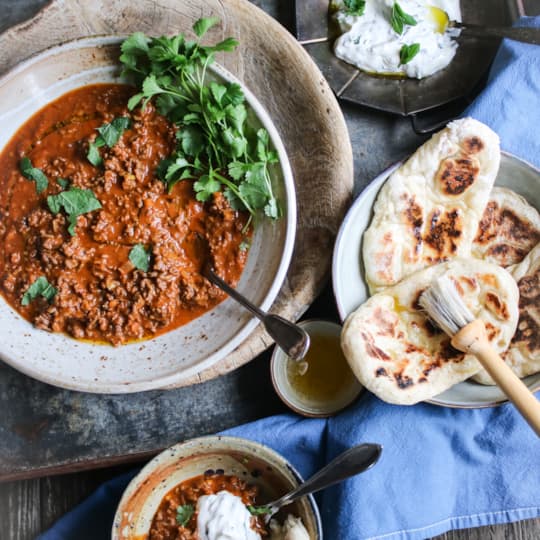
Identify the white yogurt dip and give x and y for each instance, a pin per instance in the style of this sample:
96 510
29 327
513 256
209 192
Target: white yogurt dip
370 43
224 516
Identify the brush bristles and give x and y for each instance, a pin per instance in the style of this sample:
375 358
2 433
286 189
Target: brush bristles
445 306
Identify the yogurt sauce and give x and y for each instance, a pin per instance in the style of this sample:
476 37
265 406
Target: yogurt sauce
370 43
224 516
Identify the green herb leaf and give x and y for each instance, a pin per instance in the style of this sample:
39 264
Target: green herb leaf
62 182
37 175
74 202
258 510
140 257
93 155
354 7
184 513
111 133
40 287
408 52
205 187
399 19
203 25
192 140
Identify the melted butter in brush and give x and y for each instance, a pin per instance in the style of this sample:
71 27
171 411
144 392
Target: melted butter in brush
324 374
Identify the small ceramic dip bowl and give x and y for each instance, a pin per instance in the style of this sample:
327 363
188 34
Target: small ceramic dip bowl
252 462
321 384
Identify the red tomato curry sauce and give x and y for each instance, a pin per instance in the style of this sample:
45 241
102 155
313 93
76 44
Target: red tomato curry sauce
101 295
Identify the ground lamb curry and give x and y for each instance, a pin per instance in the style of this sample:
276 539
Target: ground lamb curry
100 294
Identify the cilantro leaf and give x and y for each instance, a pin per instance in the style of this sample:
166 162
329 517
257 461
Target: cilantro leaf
408 52
62 182
75 202
227 45
258 510
354 7
203 25
32 173
111 133
205 187
93 155
399 19
140 257
40 287
192 140
184 513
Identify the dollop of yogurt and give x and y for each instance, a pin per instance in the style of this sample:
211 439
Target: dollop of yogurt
224 516
370 43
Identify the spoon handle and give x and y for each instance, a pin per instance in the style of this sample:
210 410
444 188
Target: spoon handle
210 275
351 462
527 35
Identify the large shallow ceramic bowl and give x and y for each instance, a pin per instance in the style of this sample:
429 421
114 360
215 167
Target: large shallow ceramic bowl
257 464
351 290
176 355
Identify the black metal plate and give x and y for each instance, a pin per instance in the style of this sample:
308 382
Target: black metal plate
317 33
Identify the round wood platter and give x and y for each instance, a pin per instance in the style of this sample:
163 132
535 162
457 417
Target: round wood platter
287 82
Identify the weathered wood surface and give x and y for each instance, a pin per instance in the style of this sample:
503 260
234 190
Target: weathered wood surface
44 426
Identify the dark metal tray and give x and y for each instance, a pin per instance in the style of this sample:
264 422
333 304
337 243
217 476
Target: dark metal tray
316 31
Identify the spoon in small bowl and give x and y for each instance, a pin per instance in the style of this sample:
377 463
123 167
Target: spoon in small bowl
353 461
288 336
443 22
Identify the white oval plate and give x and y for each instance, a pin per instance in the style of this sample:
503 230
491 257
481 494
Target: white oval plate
168 359
350 289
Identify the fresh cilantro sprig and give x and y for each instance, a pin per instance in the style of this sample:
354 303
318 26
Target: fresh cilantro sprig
184 513
32 173
408 52
354 7
75 202
109 135
40 287
216 147
399 19
140 257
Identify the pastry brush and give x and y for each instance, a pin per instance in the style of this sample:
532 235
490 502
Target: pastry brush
446 308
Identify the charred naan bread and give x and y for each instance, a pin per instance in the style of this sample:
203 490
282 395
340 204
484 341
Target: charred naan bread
428 211
523 354
395 351
508 230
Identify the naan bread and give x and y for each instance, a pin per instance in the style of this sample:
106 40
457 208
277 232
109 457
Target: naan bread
396 352
428 211
508 230
523 354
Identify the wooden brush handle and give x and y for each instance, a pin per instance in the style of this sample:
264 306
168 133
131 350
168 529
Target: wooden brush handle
473 339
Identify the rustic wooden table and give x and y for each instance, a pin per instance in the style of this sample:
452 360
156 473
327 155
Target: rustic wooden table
43 425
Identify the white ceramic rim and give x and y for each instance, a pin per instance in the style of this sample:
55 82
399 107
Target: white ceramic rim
210 440
290 201
340 245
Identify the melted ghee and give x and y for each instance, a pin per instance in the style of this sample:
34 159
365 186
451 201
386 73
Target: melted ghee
324 374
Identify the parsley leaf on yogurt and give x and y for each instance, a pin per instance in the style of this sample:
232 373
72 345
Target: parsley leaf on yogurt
408 52
399 19
354 7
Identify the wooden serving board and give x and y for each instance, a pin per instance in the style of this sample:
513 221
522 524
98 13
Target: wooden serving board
286 81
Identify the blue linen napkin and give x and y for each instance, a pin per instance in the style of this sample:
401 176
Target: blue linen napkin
441 468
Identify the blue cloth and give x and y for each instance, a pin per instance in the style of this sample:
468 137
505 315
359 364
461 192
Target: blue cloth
441 468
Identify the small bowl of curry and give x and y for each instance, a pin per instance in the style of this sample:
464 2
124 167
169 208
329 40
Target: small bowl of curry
111 203
216 484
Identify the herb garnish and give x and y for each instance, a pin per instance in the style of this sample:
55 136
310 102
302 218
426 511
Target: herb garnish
408 52
259 510
109 135
354 7
399 19
213 137
139 257
184 513
40 287
62 182
32 173
75 202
